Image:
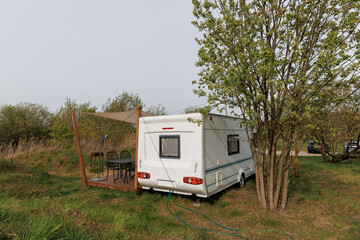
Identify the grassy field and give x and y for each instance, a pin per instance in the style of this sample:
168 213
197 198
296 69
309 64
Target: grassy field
42 197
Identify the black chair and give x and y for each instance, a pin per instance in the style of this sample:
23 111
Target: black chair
125 154
130 166
112 155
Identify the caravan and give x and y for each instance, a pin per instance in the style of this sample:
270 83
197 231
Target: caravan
203 156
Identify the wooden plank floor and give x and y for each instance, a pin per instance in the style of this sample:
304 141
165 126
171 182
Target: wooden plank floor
119 184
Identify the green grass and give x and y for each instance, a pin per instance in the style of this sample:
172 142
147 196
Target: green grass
50 202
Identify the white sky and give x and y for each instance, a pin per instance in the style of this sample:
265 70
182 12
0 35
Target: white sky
90 50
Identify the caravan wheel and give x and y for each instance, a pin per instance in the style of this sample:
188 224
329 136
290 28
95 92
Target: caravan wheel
242 180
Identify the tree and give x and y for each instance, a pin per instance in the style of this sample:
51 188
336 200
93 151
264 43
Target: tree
119 131
124 102
62 132
130 101
273 60
192 109
340 125
24 121
61 135
156 110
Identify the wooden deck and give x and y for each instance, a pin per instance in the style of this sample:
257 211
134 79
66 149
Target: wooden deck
119 184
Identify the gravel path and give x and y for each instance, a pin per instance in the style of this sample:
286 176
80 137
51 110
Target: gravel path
301 153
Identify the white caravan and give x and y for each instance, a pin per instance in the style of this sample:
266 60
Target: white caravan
199 158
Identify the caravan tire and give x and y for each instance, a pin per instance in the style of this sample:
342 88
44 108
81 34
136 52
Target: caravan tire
242 180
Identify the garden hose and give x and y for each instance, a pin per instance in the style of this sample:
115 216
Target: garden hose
206 217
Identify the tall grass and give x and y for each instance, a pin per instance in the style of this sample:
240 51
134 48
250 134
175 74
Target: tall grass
33 147
24 147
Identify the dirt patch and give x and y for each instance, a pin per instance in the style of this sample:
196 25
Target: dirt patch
81 219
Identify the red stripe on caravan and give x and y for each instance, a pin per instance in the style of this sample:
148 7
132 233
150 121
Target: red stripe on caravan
168 128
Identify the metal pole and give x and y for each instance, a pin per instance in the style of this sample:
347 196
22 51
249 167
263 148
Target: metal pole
100 149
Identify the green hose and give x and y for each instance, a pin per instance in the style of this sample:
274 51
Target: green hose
208 230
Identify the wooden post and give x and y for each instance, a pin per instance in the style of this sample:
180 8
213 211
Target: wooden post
82 166
296 155
139 109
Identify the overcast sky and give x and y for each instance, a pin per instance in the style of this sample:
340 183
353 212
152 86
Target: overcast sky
92 50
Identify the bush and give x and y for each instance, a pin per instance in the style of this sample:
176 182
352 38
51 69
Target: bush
25 121
61 135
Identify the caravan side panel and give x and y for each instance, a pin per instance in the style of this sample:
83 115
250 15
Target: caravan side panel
227 153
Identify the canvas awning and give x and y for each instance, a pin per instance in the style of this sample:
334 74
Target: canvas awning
127 116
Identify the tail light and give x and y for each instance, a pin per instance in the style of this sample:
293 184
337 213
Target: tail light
143 175
193 180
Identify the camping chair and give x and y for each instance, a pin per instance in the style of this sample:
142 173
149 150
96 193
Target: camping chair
112 155
129 167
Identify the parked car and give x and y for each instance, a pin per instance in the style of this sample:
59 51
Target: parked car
314 147
352 146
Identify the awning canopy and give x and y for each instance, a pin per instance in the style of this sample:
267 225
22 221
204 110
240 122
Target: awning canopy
127 116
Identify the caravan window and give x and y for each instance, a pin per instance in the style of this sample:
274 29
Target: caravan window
233 144
170 146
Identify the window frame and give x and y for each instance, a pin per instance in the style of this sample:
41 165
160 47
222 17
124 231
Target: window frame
160 146
238 144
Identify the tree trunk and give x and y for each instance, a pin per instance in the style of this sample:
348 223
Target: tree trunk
285 190
286 181
259 170
259 166
334 158
272 195
271 176
281 177
324 155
